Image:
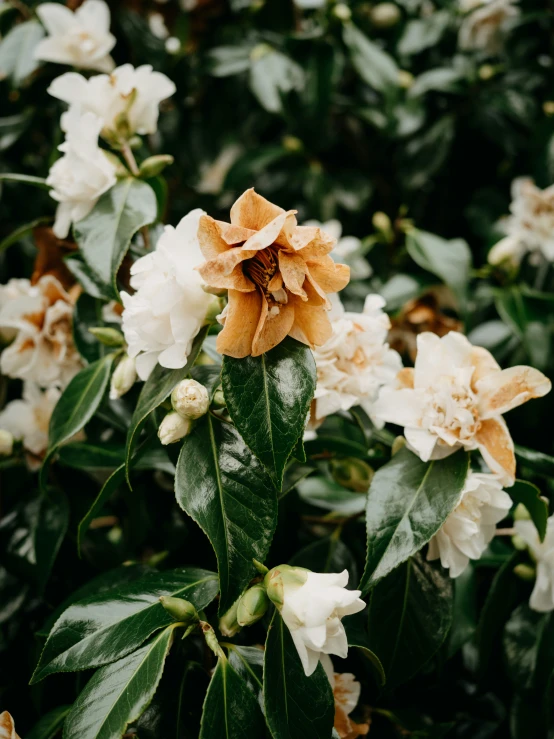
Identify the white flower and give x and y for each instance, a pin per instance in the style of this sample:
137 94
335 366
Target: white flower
173 428
42 350
348 249
346 691
470 528
190 399
485 24
111 312
82 174
123 378
312 606
455 397
530 227
80 39
169 307
7 727
134 93
157 25
542 597
15 288
212 174
356 361
28 419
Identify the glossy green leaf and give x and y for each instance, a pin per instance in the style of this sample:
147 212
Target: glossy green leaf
268 398
114 481
157 388
249 663
231 711
272 75
529 647
464 623
102 628
329 495
48 726
409 617
17 48
296 706
539 462
536 504
449 260
356 633
84 456
374 65
87 315
328 554
118 693
224 488
407 503
105 233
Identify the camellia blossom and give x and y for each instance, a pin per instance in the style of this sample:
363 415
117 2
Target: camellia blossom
28 419
7 726
277 274
169 306
82 174
356 361
346 691
485 23
455 397
80 39
542 597
43 350
470 528
128 92
530 227
312 606
347 250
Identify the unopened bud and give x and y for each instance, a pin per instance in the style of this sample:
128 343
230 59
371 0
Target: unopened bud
519 543
405 79
278 577
486 72
228 624
525 572
173 45
219 399
6 443
352 474
548 107
180 609
154 165
173 428
398 444
292 143
521 513
190 399
342 12
108 336
211 639
252 606
385 15
123 378
381 221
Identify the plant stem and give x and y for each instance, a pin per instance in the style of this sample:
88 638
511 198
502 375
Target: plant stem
131 162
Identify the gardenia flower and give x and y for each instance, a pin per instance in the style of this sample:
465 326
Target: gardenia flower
15 288
28 419
7 727
169 306
312 606
542 597
42 350
346 691
82 174
347 250
486 22
455 397
80 39
470 528
277 273
128 92
530 227
356 361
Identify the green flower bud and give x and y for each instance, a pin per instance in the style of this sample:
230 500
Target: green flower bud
385 15
519 543
252 606
398 444
108 336
154 165
278 577
219 398
211 639
180 609
525 572
405 79
521 513
352 474
228 624
381 221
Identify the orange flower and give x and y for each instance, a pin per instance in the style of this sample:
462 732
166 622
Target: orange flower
277 275
7 726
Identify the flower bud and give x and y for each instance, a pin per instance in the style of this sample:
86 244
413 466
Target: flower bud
521 513
252 606
154 165
6 443
292 143
219 398
342 12
405 79
381 221
525 572
385 15
278 577
398 444
180 609
211 639
486 72
352 474
173 428
108 336
172 45
228 624
548 107
123 378
519 543
190 399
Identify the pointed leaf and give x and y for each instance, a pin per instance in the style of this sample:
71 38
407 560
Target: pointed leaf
118 693
296 706
407 503
48 726
448 259
529 647
116 479
102 628
224 488
17 58
537 505
374 65
356 633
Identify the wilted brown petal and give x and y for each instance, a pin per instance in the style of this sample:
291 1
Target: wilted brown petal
7 726
253 211
497 447
243 314
501 391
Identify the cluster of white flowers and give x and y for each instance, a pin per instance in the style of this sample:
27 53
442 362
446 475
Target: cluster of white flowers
27 419
485 24
530 227
356 361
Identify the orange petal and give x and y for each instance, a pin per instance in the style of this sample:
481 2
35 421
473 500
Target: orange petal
209 238
234 234
312 242
499 392
330 276
483 362
272 327
7 726
243 315
293 269
225 273
496 445
311 323
314 298
253 211
266 235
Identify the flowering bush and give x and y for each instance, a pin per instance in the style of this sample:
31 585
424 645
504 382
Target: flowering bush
276 349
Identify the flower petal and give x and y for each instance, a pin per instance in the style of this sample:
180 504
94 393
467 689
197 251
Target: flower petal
293 271
311 323
273 326
56 18
499 392
330 276
484 364
241 321
7 726
495 444
253 211
226 272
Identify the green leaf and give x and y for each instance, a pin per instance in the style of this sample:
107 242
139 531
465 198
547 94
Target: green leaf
224 488
328 554
541 463
409 617
407 503
118 693
20 232
85 316
296 706
17 59
449 260
464 624
106 626
249 663
421 34
268 398
356 633
105 233
24 179
114 481
329 495
231 711
157 388
536 504
374 65
50 724
12 128
273 75
529 647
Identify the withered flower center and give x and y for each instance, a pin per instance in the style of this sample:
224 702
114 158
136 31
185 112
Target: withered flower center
261 268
